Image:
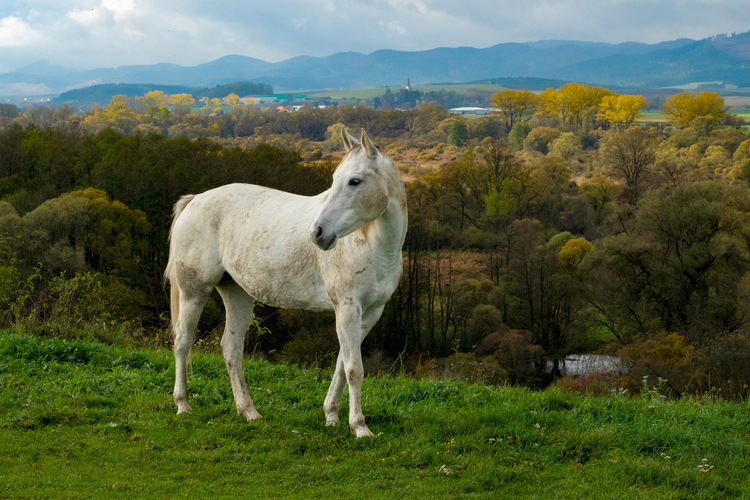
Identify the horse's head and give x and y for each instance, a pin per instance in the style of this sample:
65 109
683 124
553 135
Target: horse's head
359 193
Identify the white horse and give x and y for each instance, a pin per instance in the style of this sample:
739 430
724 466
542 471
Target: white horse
339 250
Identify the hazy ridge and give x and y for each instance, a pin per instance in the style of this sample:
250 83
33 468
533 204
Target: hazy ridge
670 63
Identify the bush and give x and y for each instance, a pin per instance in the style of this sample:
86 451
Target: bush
665 356
523 360
466 367
591 384
70 308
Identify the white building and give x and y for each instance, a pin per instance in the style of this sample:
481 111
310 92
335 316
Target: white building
470 111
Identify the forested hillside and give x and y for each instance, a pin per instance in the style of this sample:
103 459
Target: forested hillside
557 225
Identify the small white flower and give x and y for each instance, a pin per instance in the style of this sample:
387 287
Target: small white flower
492 440
704 467
445 470
537 426
112 424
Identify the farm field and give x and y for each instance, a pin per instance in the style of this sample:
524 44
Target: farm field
652 116
660 116
86 420
369 93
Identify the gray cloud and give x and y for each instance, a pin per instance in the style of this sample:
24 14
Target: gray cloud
107 33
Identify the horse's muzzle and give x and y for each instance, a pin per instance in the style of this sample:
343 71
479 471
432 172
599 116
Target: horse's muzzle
325 242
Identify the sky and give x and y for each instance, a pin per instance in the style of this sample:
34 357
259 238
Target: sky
85 34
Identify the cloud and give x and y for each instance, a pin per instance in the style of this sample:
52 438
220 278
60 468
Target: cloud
87 17
15 32
397 27
119 6
106 33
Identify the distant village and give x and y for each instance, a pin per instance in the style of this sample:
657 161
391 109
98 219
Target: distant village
321 104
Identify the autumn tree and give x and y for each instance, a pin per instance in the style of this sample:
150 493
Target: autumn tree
232 100
621 110
567 146
182 103
514 105
155 98
540 138
571 101
211 105
117 114
684 108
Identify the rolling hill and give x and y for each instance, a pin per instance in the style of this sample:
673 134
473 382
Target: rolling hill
677 62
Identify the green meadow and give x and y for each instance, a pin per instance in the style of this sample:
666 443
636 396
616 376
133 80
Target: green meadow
369 93
87 420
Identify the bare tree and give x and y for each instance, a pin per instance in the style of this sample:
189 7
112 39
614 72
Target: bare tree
630 153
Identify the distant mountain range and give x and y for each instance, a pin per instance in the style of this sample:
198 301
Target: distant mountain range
630 64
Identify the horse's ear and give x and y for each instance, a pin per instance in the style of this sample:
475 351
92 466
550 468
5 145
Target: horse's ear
349 141
369 147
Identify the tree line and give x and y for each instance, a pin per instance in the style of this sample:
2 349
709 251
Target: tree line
554 226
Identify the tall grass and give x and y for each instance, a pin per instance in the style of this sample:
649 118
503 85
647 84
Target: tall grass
74 307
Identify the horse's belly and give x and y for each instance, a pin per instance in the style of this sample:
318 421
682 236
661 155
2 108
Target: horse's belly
285 283
286 298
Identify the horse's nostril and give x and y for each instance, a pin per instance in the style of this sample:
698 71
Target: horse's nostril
319 233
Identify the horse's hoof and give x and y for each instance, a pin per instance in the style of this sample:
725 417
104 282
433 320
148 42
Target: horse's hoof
332 422
363 432
251 415
184 408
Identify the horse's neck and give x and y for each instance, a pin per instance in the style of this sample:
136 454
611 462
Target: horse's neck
390 228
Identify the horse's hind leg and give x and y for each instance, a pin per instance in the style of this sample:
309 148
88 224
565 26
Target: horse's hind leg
191 307
239 306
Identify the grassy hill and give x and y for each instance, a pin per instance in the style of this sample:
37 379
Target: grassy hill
86 420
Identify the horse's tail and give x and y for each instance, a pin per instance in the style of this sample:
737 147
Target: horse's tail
174 295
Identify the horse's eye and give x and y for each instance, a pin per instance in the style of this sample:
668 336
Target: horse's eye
355 182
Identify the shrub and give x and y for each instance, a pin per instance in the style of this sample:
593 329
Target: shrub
71 308
473 369
591 384
523 360
663 356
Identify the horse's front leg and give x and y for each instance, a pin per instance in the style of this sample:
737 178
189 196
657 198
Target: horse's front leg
331 404
351 328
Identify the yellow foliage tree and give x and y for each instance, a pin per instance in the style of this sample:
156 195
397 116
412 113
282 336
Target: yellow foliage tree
155 98
116 114
182 103
120 98
549 101
571 101
621 110
683 108
577 98
210 105
573 251
515 104
232 100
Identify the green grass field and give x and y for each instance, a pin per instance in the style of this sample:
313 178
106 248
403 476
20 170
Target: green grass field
369 93
651 116
85 420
